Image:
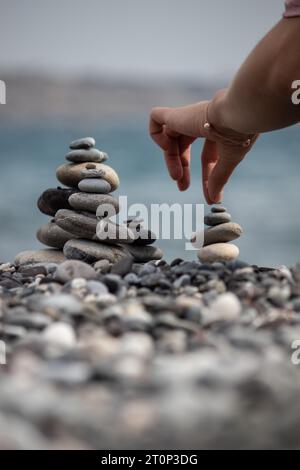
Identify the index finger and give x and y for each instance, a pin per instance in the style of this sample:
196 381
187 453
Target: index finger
208 158
228 159
172 156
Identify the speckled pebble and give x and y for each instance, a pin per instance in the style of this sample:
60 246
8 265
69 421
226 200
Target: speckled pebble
94 185
86 155
83 143
217 218
71 269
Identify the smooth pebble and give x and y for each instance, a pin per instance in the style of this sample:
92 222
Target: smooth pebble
39 256
219 233
60 334
218 252
94 185
226 307
71 173
56 304
90 251
123 266
97 287
80 224
90 155
142 254
90 202
72 269
51 234
109 232
103 266
218 208
83 143
217 218
54 199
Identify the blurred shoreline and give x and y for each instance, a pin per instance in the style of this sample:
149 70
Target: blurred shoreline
34 96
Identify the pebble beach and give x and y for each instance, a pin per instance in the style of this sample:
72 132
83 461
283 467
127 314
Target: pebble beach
183 355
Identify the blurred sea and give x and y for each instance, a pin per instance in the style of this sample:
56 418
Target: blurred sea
262 196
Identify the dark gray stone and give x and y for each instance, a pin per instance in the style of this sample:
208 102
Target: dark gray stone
52 235
122 267
83 143
72 269
80 224
89 155
217 218
90 251
90 202
110 232
218 208
54 199
142 254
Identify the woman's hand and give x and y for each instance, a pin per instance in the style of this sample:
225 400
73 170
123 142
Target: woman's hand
258 100
175 129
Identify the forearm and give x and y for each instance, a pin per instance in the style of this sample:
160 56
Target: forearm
259 97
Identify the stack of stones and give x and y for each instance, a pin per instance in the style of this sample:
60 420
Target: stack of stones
221 230
80 227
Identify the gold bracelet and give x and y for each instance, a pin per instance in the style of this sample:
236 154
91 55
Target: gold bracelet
218 136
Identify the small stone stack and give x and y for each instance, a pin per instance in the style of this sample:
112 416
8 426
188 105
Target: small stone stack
75 228
215 238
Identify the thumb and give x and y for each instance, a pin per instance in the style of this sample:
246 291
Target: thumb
228 159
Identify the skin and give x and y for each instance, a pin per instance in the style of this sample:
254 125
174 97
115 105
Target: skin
257 100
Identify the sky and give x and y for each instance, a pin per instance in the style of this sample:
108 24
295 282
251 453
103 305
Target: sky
194 39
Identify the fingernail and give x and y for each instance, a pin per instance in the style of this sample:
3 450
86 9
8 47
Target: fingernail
177 175
216 197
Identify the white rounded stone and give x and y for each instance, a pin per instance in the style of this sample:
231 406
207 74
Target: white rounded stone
60 334
226 307
218 252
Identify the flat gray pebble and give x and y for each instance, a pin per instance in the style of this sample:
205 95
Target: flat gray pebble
218 208
97 287
89 155
72 269
217 218
122 267
83 143
94 185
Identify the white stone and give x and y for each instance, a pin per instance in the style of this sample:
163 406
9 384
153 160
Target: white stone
218 252
60 334
78 283
226 307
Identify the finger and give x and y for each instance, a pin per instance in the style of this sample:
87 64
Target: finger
156 131
185 156
184 181
188 120
228 160
172 158
209 158
158 118
160 114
